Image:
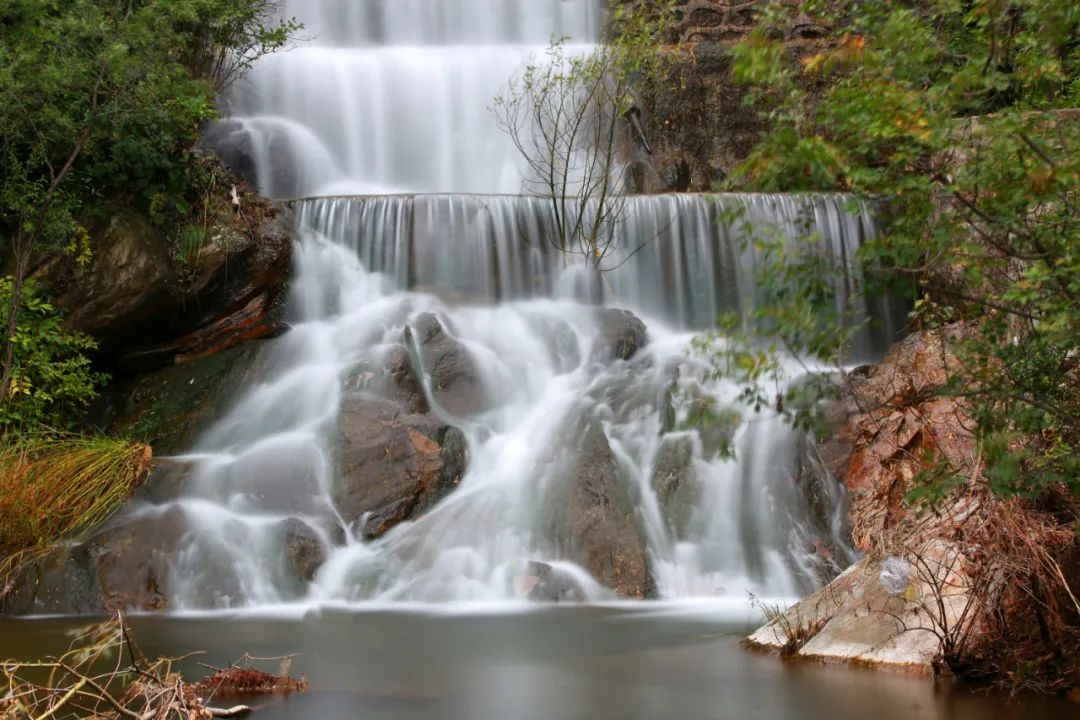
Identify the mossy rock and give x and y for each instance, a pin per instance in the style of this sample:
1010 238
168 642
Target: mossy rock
168 408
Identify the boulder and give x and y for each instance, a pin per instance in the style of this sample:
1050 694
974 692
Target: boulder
452 374
396 379
305 552
674 482
120 568
394 465
540 582
597 521
62 583
622 335
133 561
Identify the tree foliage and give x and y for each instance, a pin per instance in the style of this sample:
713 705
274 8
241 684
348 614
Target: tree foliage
956 114
104 99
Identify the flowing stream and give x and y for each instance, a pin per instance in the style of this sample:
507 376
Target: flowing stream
381 119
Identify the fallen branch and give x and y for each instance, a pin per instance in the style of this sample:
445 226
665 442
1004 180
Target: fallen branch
145 690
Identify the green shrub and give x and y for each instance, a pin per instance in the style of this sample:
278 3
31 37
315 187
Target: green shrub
957 116
52 382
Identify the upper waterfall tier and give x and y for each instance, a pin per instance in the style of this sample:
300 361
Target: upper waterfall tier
393 96
445 22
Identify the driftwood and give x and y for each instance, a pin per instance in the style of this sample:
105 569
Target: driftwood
105 676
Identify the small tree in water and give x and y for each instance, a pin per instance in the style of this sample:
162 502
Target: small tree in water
574 119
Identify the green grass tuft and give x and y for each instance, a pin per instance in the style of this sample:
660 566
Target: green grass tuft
57 487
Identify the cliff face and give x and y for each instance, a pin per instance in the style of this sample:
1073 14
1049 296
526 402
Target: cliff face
885 609
154 295
973 583
695 119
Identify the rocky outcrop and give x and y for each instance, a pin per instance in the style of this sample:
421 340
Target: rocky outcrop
695 119
597 522
896 425
129 283
393 465
893 425
150 303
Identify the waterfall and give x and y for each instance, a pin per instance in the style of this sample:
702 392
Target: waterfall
461 412
392 95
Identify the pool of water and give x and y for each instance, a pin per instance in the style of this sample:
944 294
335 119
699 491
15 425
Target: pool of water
645 661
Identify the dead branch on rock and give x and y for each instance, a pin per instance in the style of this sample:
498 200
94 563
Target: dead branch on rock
93 680
790 626
998 587
945 598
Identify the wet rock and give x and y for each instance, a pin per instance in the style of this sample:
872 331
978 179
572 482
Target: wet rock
169 407
451 370
889 424
305 552
276 172
394 465
133 561
63 583
598 525
674 483
400 381
622 335
129 283
231 142
540 582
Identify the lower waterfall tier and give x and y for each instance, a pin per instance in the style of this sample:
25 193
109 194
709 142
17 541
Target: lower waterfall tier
462 413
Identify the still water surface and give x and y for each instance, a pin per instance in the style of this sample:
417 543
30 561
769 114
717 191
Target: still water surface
646 662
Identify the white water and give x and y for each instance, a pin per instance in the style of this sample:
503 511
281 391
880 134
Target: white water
744 525
392 96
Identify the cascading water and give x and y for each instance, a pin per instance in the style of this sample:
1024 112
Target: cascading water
424 323
393 95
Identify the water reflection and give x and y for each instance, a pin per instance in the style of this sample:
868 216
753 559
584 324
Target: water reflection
593 663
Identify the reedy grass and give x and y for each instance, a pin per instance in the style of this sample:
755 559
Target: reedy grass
55 487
